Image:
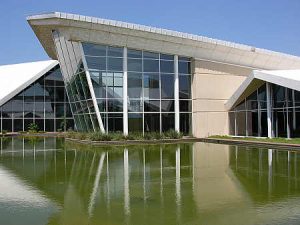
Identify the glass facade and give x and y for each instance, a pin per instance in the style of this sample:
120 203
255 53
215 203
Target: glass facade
94 78
249 117
150 88
77 83
44 103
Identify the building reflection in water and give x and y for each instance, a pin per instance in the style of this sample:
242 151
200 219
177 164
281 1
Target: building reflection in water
160 184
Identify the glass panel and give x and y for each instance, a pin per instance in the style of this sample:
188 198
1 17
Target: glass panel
7 125
115 51
95 50
184 87
184 67
115 105
152 105
151 65
135 83
135 65
168 121
252 101
241 123
135 105
18 125
150 55
185 105
96 63
151 86
167 105
135 122
101 105
134 53
115 122
231 123
115 64
167 66
166 57
279 98
151 122
167 86
185 123
262 97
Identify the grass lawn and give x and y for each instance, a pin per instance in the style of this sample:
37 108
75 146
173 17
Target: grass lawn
260 139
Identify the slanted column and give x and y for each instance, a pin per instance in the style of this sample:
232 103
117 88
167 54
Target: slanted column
176 93
269 110
125 95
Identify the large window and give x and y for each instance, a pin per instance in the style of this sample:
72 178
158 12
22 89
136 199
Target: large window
44 103
105 64
249 117
150 83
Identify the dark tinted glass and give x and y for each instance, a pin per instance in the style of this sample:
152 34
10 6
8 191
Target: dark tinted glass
135 65
184 87
167 86
114 51
96 63
184 67
95 50
150 55
151 65
167 66
134 53
114 64
168 121
151 122
135 122
151 86
151 105
135 82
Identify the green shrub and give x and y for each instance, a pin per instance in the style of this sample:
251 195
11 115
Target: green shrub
172 134
33 127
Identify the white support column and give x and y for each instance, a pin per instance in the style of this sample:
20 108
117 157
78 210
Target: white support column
288 130
176 93
269 112
294 111
125 95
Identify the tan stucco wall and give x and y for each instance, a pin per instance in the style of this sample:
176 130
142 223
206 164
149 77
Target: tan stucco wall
213 84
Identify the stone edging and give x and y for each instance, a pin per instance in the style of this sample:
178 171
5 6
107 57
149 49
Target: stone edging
285 146
133 142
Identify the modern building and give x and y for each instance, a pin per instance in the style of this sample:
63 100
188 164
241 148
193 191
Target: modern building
128 77
33 93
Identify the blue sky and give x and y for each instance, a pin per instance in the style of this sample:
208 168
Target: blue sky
270 24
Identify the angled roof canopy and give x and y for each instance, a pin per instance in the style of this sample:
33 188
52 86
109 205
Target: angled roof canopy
111 32
14 78
285 78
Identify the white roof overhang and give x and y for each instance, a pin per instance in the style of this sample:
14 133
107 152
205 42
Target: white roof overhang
285 78
15 78
96 30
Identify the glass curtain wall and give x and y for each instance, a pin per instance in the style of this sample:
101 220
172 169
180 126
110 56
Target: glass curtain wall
44 103
105 64
75 78
249 118
150 82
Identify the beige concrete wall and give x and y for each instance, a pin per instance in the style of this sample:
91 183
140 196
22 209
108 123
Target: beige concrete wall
213 84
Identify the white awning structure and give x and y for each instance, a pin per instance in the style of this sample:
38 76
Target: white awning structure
118 33
14 78
285 78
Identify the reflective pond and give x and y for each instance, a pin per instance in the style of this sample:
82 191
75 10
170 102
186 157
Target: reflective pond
48 181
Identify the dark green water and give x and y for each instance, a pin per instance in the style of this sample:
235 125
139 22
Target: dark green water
47 181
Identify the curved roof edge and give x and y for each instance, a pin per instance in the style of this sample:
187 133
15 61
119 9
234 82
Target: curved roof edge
285 78
223 51
17 77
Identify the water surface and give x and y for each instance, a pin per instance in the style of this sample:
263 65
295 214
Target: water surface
48 181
